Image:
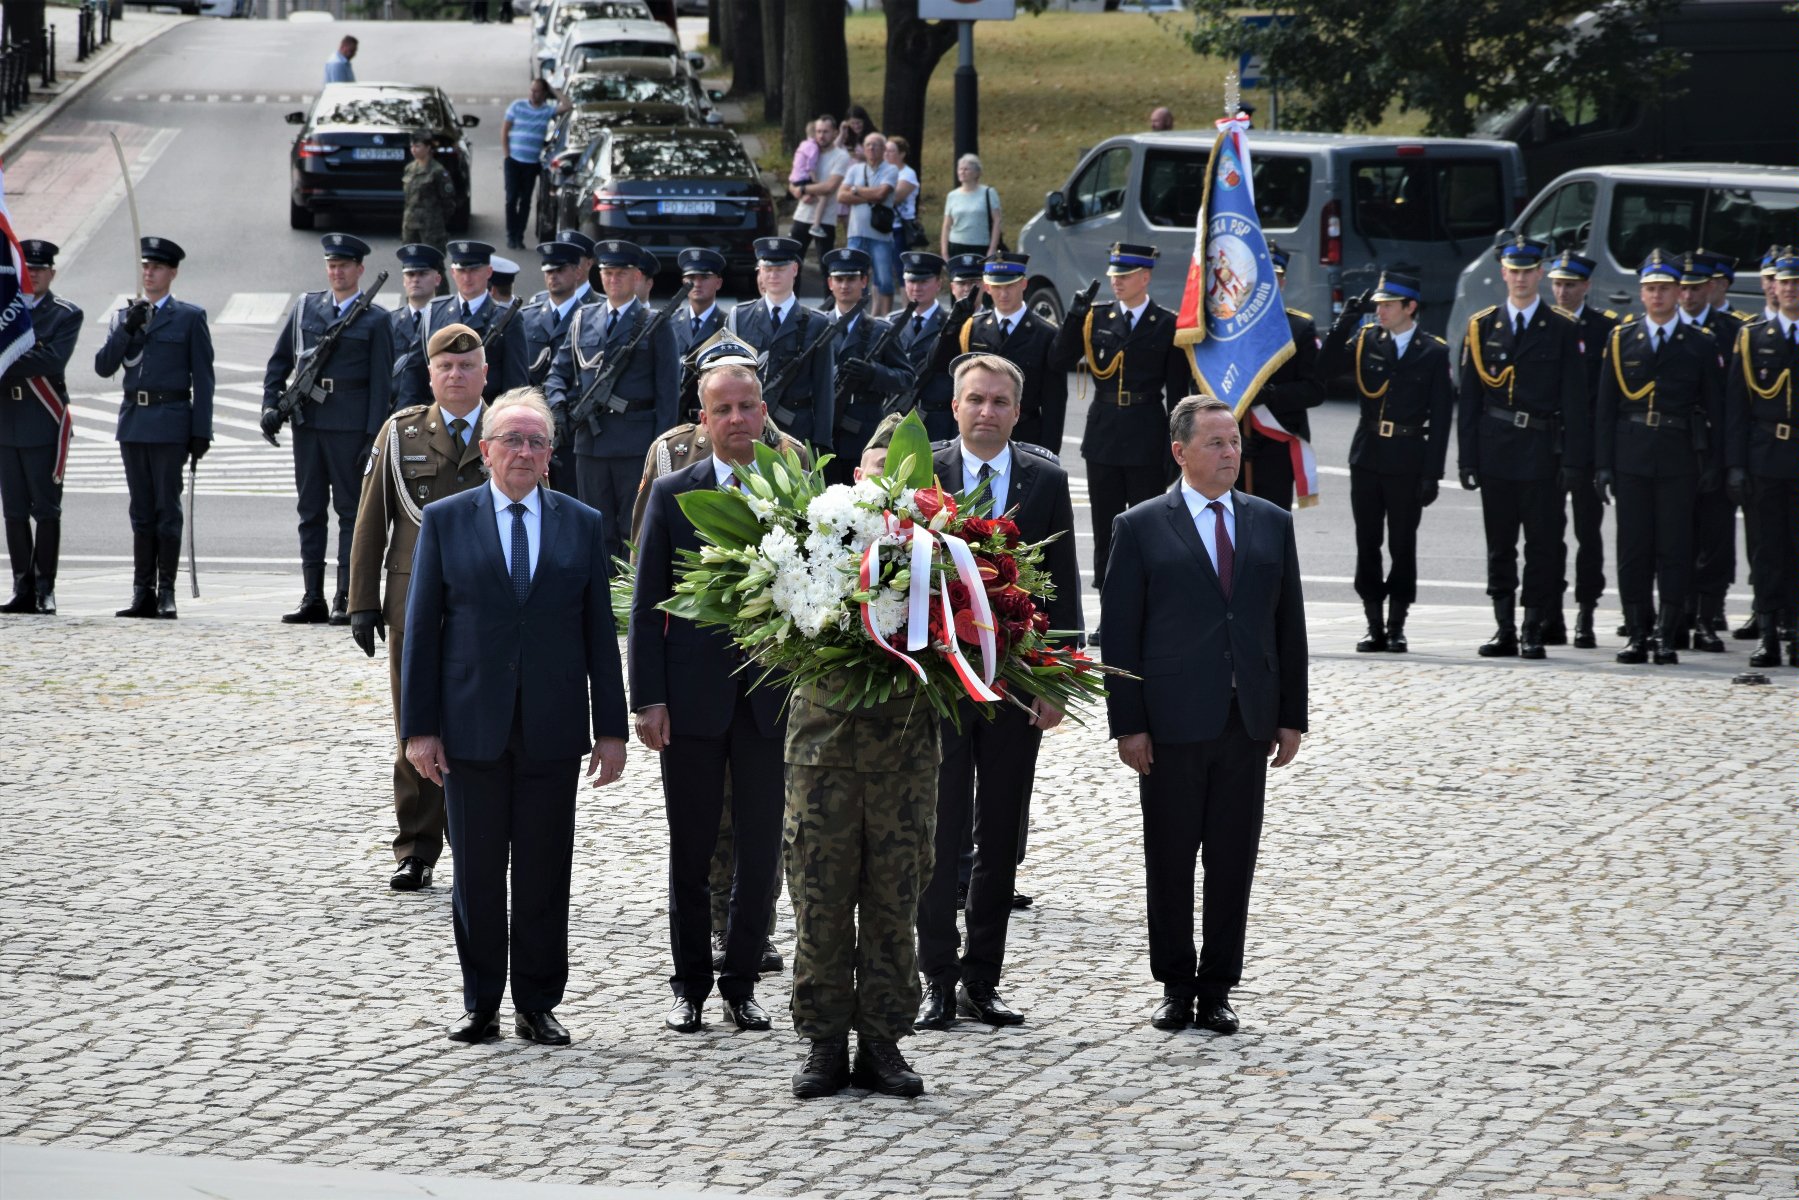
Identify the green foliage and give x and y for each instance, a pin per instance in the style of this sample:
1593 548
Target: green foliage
909 454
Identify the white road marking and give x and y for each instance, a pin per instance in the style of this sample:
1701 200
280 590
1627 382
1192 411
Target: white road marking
254 308
111 198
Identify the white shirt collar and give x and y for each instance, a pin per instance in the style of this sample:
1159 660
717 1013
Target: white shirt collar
160 303
1669 328
779 308
623 308
1529 314
1402 340
1138 311
1196 502
501 500
701 315
1012 321
925 313
473 418
1680 314
722 470
475 305
1001 462
1771 314
1786 325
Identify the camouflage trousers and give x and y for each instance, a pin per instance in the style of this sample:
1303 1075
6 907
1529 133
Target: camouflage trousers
861 818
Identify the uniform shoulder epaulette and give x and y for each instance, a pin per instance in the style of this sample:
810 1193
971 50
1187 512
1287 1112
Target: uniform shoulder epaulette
67 305
415 410
1484 313
1433 337
1040 451
1609 314
1627 319
1300 313
1698 328
1563 311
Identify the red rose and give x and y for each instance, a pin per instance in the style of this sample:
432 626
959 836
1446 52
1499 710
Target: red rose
1040 621
1008 568
959 597
1008 529
977 528
932 500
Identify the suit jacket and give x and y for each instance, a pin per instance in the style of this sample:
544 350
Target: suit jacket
649 384
1127 418
361 369
1538 378
24 421
805 408
694 670
173 353
473 653
1038 499
1758 405
1397 392
1031 347
1168 621
507 366
1686 384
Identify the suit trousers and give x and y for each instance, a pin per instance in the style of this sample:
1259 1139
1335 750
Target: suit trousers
328 472
1775 555
1655 539
418 803
1111 490
610 485
1714 544
153 479
523 809
694 774
1589 555
1533 506
724 872
1385 507
988 768
1202 800
1268 472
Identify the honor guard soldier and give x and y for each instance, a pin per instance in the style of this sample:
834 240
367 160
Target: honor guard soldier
1571 278
703 271
1401 377
796 365
636 351
1761 450
1657 445
1027 341
1139 375
421 274
471 266
921 275
165 419
546 318
421 454
1714 514
331 433
35 426
871 369
1749 630
1770 282
1523 422
965 271
1294 388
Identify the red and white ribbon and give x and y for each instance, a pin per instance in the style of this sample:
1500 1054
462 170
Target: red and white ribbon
1305 463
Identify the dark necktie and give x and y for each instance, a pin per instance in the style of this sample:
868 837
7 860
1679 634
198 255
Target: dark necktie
416 314
521 553
1518 328
1661 339
696 325
1130 324
611 323
459 427
917 326
1793 335
774 319
467 313
1227 554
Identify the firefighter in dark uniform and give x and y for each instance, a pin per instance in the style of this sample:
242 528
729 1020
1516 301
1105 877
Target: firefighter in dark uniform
1658 436
782 329
1294 388
1024 339
471 267
35 427
1714 513
609 448
700 321
1571 278
1138 375
331 438
1401 377
1761 451
165 418
1750 630
865 379
1524 421
546 318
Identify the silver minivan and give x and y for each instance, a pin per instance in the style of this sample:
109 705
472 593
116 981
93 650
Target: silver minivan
1617 215
1344 206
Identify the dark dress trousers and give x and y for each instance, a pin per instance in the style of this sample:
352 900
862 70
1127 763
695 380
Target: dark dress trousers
1218 675
545 332
30 437
1584 505
721 727
1762 438
804 409
988 766
919 342
168 380
1294 388
510 687
862 407
1031 347
1715 513
507 366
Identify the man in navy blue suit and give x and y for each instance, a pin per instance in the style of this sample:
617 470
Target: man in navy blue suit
1202 605
509 634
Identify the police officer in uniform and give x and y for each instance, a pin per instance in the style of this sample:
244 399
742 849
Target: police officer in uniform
1571 278
35 426
332 444
546 318
1762 454
1294 388
965 271
1714 513
421 274
1401 377
471 266
609 450
866 378
700 321
1138 375
1658 436
1026 340
422 453
782 330
921 274
1523 422
165 418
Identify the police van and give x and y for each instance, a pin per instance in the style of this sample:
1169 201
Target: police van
1345 206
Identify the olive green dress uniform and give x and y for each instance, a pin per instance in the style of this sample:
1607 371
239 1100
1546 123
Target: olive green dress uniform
1762 453
415 460
428 194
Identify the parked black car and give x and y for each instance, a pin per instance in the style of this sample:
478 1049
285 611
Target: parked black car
355 142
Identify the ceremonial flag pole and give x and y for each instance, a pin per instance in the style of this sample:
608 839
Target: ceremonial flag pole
16 334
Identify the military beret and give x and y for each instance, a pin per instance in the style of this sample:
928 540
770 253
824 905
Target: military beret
882 437
39 253
160 249
342 245
453 339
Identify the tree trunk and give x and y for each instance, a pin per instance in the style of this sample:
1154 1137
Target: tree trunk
24 26
913 50
816 77
774 15
717 19
746 47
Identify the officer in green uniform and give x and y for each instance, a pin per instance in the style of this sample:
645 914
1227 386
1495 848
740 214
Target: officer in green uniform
1571 278
428 194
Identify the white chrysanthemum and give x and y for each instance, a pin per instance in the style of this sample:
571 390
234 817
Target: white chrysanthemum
779 546
888 611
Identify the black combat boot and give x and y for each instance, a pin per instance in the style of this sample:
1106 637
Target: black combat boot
1637 624
1375 640
1710 620
340 603
1396 643
1667 639
880 1067
1555 628
1768 653
1750 630
1791 633
312 610
1584 638
1504 642
168 566
1530 645
825 1071
1648 616
143 577
49 547
24 571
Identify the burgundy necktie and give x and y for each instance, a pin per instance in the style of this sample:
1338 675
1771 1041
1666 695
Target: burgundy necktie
1227 554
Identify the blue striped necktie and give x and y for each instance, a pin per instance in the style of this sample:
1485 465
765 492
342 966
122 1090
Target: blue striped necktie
521 553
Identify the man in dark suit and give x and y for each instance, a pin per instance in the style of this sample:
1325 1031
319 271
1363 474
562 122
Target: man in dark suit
796 363
471 269
1267 459
1015 333
1213 697
697 708
509 635
988 766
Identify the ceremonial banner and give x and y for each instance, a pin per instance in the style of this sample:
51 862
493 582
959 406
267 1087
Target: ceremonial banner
16 336
1232 321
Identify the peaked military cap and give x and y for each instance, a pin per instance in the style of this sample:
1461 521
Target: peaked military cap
416 256
342 245
697 260
1126 258
778 251
560 253
1394 286
575 237
1787 265
647 262
1004 266
39 253
453 339
616 253
1278 257
920 264
1770 258
1694 268
504 270
160 250
1569 265
845 261
965 266
723 350
1723 266
469 254
1521 253
1659 267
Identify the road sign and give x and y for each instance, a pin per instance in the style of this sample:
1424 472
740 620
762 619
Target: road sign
967 10
1252 69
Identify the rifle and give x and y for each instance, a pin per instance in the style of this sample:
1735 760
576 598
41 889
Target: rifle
306 382
599 392
907 400
883 340
497 327
776 389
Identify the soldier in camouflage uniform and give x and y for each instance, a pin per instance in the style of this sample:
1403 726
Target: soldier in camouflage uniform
429 193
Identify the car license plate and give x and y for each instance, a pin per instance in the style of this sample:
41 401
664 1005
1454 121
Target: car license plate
377 153
686 208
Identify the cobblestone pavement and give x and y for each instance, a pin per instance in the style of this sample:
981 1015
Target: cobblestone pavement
1519 929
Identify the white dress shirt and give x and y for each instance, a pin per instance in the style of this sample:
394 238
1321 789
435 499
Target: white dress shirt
533 525
1513 312
998 484
781 311
1135 314
1666 331
474 305
1402 340
1206 521
1009 323
724 474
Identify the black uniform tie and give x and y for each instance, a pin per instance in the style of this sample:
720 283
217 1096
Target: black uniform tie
459 427
1661 339
1518 329
696 325
521 553
1793 335
917 326
985 475
467 315
774 318
611 323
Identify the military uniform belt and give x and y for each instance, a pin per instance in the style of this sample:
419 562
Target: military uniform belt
1655 420
349 389
1519 419
17 390
1124 399
855 427
1391 429
143 398
1782 430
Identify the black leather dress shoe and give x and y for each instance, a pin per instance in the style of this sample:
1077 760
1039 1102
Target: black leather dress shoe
476 1027
825 1071
880 1067
684 1017
312 611
414 873
1215 1015
1022 901
340 610
771 963
981 1001
540 1027
1175 1012
747 1014
937 1010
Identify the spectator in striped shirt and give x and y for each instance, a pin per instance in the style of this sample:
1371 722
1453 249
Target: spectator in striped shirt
526 123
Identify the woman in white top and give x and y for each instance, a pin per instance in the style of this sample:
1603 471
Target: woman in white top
972 220
905 195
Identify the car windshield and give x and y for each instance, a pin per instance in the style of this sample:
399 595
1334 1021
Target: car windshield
619 89
587 126
678 158
405 111
586 57
601 10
